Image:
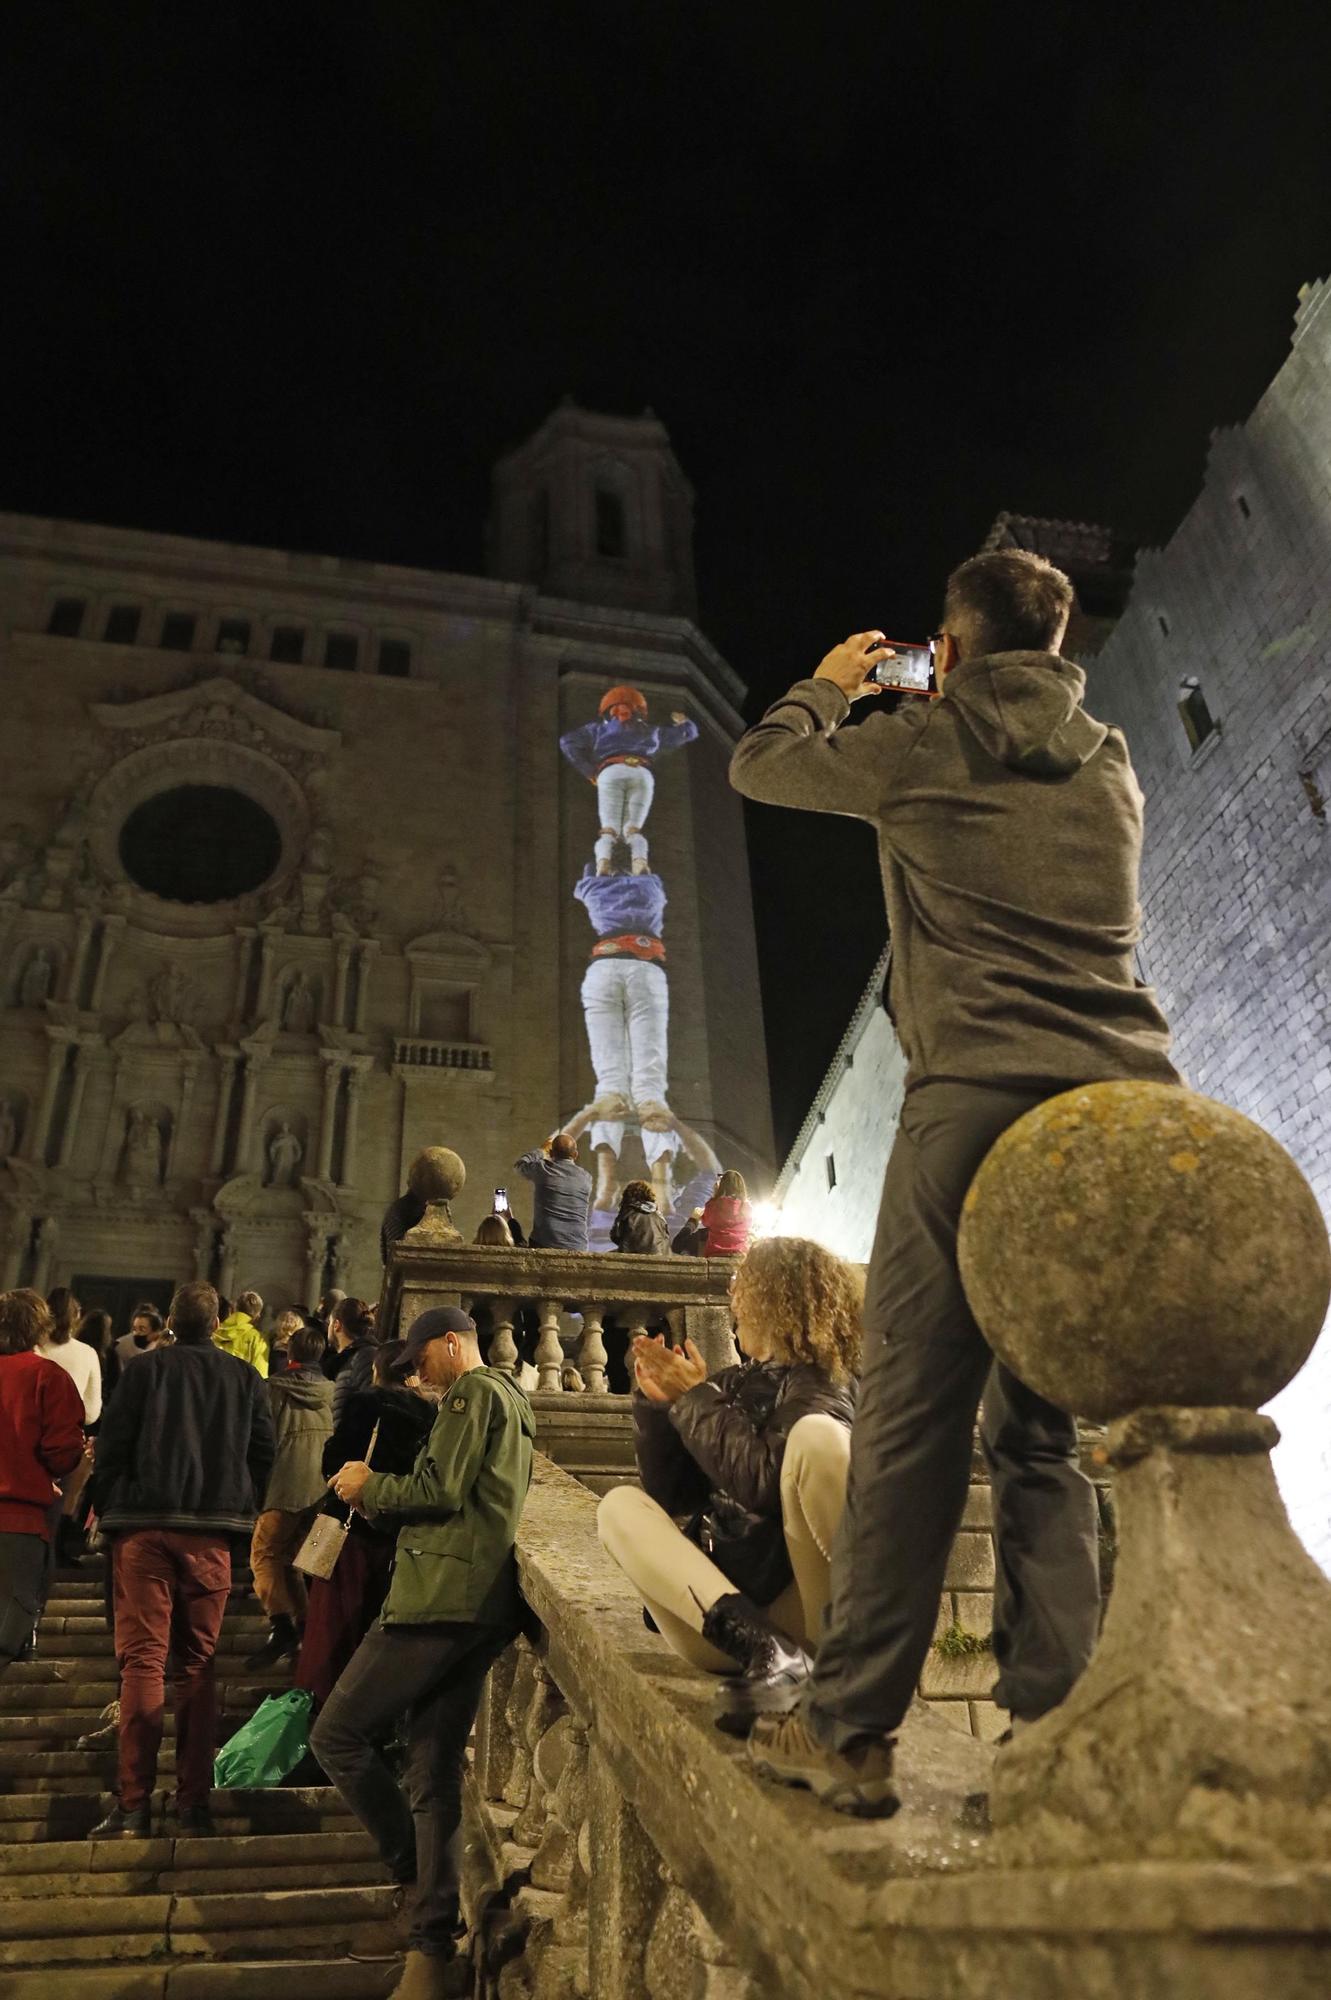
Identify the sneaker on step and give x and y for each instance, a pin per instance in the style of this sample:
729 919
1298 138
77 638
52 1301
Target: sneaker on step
103 1738
857 1781
119 1824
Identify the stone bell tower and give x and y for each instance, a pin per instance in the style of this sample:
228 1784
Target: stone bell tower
597 509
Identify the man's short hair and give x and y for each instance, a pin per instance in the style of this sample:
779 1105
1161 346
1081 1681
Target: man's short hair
21 1323
1009 601
249 1303
562 1147
307 1344
194 1313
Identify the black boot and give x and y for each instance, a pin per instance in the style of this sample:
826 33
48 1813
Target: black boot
136 1824
773 1669
282 1643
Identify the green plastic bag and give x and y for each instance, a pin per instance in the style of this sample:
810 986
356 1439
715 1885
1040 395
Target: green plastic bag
269 1746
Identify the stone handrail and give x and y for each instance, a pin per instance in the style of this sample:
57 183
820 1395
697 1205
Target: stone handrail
619 1848
432 1266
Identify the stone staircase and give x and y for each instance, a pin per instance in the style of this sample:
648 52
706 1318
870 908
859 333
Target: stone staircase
288 1897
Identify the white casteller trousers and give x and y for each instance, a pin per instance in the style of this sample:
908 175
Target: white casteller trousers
673 1576
624 794
626 1005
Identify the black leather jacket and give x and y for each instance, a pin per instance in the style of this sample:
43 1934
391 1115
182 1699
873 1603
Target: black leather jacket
714 1455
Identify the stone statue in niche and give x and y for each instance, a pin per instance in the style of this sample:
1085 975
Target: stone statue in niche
319 851
299 1007
142 1165
16 859
453 914
8 1129
38 979
170 996
285 1154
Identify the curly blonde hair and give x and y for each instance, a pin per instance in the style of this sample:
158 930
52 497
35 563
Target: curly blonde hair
805 1300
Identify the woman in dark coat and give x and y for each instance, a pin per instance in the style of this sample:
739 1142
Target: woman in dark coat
351 1350
730 1538
343 1607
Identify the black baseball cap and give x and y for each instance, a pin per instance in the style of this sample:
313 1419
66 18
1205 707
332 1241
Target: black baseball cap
431 1325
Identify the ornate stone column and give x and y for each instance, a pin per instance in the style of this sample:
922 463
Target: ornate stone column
316 1256
40 1130
254 1067
343 965
369 951
16 1247
266 945
48 1235
67 1136
78 958
205 1242
189 1076
244 959
357 1071
328 1112
226 1071
226 1277
112 927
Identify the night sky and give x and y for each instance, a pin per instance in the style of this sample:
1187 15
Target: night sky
297 274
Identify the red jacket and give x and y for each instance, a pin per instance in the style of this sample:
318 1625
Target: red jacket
41 1439
726 1220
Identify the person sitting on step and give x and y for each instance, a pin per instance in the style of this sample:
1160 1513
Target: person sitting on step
729 1539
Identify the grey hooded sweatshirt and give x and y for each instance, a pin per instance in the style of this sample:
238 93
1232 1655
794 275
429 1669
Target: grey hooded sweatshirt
1009 828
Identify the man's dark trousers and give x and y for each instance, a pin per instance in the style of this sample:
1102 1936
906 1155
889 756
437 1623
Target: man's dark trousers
926 1367
435 1673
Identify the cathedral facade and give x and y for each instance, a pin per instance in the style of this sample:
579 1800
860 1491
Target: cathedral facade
287 867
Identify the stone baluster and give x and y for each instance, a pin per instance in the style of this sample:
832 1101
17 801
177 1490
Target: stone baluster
591 1349
549 1348
684 1955
112 927
70 1132
343 968
226 1071
546 1736
503 1348
624 1886
328 1113
494 1732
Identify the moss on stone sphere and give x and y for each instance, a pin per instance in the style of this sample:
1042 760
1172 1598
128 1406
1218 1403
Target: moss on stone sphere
437 1174
1133 1243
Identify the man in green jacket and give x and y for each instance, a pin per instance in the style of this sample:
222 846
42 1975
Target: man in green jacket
451 1609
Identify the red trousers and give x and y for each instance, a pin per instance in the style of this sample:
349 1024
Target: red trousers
170 1593
341 1610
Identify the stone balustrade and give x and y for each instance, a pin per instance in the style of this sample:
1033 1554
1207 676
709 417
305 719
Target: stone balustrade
572 1292
414 1052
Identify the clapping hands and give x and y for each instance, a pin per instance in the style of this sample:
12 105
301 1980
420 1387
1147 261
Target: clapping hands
666 1373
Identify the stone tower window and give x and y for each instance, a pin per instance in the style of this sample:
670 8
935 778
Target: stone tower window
288 644
200 844
831 1172
611 524
233 635
1241 502
341 651
395 658
66 619
1198 721
178 631
1163 623
122 625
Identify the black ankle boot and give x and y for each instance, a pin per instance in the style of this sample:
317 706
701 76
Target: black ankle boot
282 1643
772 1668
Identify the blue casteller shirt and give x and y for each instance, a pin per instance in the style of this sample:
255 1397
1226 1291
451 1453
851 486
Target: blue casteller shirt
618 904
589 747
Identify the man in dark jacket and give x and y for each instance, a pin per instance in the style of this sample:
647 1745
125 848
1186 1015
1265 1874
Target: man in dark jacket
41 1439
451 1609
183 1458
561 1195
1009 826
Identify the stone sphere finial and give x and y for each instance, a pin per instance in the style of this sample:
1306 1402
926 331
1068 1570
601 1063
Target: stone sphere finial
1129 1244
437 1174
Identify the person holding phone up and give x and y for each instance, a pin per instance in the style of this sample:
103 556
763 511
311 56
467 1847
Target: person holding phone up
1009 828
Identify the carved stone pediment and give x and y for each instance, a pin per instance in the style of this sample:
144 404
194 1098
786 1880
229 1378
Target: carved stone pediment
217 711
247 1198
450 954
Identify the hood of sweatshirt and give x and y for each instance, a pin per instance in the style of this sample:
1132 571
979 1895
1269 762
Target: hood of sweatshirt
517 1397
1025 710
308 1388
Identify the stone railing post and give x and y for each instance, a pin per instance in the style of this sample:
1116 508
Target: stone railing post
1140 1254
503 1348
591 1349
549 1348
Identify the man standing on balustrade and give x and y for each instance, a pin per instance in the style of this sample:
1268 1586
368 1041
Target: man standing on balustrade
451 1609
1009 828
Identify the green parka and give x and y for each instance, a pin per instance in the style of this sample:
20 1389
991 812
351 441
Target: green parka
301 1401
458 1508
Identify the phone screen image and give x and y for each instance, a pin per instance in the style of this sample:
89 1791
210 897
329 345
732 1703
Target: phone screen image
501 1201
911 668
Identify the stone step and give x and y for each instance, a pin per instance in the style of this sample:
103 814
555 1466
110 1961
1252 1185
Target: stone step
278 1923
234 1979
238 1635
94 1692
46 1816
57 1625
188 1865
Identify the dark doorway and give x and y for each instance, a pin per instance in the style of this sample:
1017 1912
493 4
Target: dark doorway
119 1296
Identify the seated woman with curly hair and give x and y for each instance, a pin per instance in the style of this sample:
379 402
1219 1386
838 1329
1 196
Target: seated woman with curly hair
744 1478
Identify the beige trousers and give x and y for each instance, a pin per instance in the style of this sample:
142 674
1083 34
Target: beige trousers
678 1583
278 1534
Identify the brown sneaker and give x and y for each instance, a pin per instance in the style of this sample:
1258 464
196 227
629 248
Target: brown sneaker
857 1781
